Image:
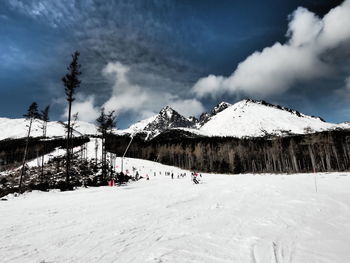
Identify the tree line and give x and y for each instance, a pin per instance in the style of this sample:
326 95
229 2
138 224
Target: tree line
318 152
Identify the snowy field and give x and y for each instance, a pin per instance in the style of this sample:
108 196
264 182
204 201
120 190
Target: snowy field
241 218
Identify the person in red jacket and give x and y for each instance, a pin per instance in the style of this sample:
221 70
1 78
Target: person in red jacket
194 178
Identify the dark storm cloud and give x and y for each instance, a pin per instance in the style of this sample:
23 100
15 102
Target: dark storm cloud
146 36
164 46
130 31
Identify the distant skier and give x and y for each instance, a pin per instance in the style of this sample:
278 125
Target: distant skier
137 176
172 176
147 177
194 178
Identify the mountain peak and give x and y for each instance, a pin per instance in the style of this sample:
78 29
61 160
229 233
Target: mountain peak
220 107
224 103
169 113
206 116
166 119
166 108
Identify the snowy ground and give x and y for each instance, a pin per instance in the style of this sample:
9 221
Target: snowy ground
242 218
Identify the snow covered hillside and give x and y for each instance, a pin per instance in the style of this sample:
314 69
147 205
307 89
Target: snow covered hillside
246 118
242 218
249 118
17 128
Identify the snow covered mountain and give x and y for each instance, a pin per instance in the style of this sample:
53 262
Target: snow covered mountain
250 118
246 118
167 118
17 128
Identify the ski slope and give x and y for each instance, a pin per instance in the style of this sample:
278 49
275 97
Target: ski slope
241 218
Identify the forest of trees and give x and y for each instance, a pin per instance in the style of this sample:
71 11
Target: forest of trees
12 150
318 152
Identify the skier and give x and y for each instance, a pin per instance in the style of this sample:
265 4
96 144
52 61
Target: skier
172 176
194 178
137 176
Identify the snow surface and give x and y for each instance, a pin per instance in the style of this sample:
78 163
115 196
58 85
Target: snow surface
138 126
241 218
253 119
60 152
18 128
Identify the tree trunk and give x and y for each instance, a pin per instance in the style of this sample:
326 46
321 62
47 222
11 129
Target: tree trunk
24 157
68 143
44 151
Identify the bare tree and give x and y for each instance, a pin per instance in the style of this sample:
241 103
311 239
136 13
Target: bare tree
71 82
31 115
45 119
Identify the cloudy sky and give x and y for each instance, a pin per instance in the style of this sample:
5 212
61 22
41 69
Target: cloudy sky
141 55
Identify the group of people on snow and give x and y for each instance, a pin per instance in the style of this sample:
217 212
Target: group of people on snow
124 177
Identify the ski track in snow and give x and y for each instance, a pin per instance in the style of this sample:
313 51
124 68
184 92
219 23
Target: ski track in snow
240 218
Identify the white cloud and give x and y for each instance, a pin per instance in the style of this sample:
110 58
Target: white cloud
304 27
277 68
143 102
85 108
189 107
125 95
336 27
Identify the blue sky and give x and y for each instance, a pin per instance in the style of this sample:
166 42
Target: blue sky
138 56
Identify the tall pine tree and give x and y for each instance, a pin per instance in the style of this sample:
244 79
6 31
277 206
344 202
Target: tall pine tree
31 115
71 82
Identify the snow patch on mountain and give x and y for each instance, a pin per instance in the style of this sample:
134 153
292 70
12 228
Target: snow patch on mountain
138 126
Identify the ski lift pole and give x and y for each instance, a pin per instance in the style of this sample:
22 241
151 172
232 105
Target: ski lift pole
315 179
127 148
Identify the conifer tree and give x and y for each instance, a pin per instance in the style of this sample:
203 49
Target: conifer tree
105 122
71 82
31 115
